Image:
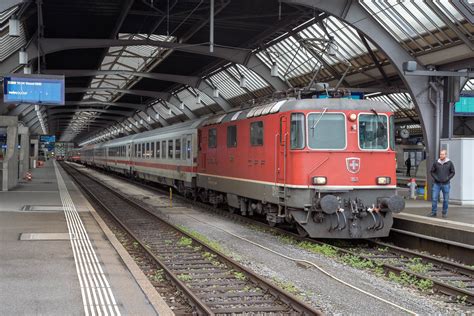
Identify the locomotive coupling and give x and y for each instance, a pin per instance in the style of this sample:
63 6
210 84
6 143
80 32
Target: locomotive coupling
395 203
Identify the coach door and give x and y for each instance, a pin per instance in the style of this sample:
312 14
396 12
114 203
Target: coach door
281 148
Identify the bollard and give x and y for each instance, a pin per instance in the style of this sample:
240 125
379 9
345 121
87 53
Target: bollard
171 197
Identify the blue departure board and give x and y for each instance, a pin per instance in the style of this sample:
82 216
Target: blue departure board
34 89
465 106
47 138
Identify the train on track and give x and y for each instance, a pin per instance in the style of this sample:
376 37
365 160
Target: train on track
326 166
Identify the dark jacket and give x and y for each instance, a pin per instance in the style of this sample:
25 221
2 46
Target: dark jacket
442 173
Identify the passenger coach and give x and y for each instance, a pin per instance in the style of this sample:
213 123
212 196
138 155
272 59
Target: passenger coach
326 166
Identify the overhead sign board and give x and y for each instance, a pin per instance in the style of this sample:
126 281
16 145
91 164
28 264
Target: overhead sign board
465 106
34 89
47 138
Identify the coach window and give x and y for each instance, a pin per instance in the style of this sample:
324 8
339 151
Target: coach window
183 149
326 131
232 136
188 149
147 151
177 149
152 150
135 151
212 140
297 131
170 149
256 133
143 150
157 154
373 131
163 149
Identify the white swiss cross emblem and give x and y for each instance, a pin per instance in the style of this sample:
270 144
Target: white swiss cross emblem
353 164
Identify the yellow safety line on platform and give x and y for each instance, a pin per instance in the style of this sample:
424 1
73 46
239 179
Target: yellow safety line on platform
97 295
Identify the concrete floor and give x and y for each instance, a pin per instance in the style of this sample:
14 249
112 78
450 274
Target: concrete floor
459 217
40 276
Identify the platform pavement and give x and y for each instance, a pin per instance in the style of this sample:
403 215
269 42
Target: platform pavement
458 216
42 276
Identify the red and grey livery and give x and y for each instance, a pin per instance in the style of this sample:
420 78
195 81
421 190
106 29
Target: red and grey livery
326 166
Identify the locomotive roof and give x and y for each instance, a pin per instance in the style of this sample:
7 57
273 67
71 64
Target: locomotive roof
285 105
299 104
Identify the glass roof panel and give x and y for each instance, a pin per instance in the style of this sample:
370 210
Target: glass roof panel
227 85
9 44
253 81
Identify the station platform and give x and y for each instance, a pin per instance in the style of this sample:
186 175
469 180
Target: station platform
59 258
457 227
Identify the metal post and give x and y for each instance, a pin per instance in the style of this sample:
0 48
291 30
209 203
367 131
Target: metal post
211 28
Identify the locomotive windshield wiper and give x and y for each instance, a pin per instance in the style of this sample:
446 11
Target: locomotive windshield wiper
316 123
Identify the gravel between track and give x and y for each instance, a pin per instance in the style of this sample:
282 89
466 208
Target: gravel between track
318 289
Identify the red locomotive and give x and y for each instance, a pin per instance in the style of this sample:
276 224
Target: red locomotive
326 166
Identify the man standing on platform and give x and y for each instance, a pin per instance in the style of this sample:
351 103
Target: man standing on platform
442 172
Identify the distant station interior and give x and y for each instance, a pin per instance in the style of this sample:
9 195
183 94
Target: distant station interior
323 117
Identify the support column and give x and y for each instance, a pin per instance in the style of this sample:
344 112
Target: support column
10 161
34 148
24 152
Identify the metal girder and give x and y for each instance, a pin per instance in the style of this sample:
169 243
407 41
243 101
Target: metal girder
105 118
74 110
354 14
187 80
52 45
207 89
97 103
175 102
145 93
151 111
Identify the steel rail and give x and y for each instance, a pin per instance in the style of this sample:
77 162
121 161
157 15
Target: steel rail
440 286
287 298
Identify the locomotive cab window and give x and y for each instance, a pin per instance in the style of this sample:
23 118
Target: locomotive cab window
232 136
326 131
256 133
297 131
212 139
373 131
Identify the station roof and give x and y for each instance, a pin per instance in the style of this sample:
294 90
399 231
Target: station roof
124 88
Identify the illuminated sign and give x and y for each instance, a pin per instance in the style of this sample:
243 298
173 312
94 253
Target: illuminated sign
47 138
465 106
34 89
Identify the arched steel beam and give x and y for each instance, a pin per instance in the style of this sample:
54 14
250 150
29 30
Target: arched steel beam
354 14
145 93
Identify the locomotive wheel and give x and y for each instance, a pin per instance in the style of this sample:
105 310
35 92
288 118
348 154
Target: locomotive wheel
231 210
301 231
271 223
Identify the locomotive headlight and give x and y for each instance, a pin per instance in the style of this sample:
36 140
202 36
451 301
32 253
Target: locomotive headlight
383 180
352 117
320 180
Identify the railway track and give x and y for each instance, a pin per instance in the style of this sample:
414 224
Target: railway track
402 265
212 283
